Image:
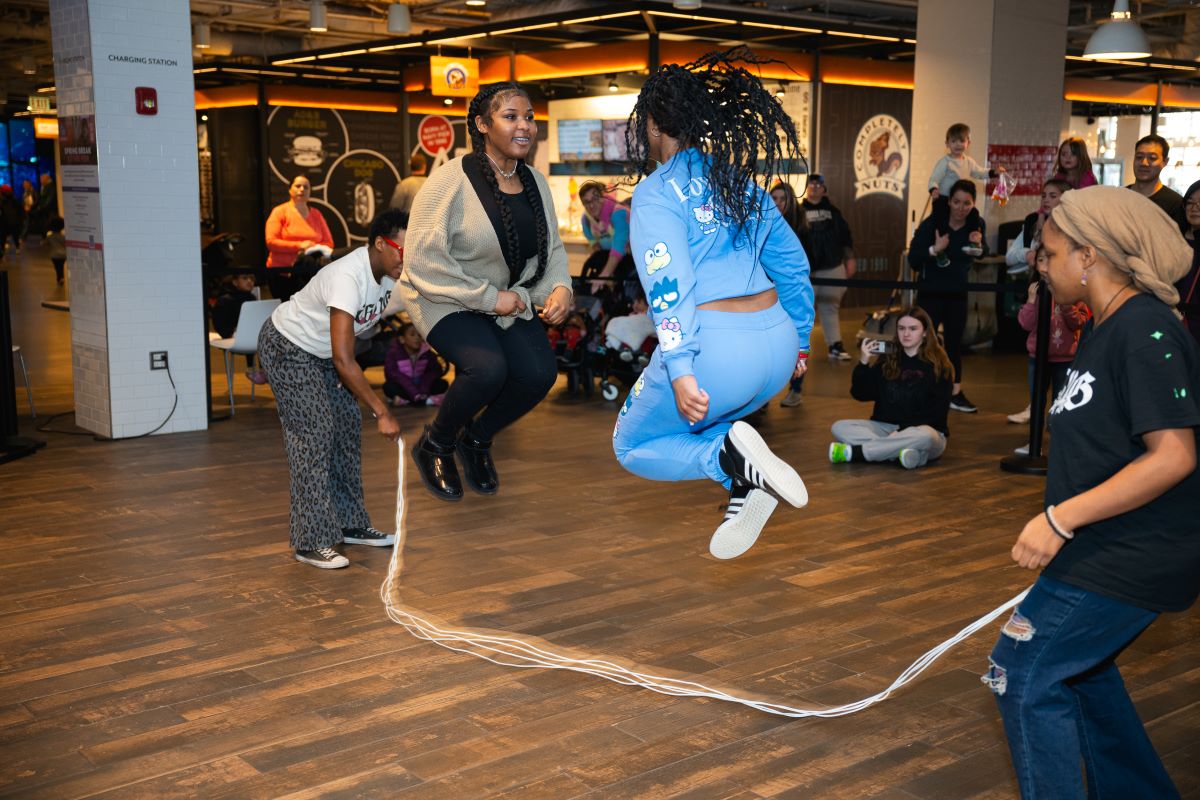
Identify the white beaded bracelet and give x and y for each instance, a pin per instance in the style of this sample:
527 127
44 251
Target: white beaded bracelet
1058 529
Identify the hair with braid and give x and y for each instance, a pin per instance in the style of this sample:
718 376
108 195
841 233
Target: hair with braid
725 113
484 104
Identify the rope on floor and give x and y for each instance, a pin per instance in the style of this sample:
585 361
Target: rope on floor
526 652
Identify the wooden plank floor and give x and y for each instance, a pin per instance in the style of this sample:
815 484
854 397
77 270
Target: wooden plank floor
157 641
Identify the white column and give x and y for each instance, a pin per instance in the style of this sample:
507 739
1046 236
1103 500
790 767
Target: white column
132 211
996 65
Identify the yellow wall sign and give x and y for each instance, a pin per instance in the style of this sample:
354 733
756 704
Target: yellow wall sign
453 77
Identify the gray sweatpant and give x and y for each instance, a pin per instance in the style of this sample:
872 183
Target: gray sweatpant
883 441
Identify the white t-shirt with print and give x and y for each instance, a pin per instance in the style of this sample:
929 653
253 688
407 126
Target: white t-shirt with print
348 285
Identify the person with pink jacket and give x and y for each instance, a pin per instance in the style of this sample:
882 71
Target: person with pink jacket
1066 320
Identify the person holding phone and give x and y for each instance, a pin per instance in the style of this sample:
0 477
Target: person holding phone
910 379
484 251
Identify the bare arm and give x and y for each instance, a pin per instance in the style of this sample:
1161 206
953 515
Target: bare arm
1169 458
341 337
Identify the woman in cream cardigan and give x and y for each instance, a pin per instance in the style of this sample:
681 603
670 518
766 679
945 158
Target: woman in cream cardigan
483 251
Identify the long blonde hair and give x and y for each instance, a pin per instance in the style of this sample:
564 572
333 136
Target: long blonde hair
929 350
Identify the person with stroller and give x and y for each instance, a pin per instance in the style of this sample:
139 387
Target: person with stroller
736 306
909 378
606 228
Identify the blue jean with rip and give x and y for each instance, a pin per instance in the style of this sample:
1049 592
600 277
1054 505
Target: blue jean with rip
1062 698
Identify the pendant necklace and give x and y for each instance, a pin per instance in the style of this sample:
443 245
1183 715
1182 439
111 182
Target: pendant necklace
501 172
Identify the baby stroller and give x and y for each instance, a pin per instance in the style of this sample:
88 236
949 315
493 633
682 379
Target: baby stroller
623 365
572 343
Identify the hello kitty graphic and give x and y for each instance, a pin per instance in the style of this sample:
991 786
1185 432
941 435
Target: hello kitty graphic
707 217
670 334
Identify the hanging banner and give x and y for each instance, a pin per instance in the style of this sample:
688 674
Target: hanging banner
453 77
881 158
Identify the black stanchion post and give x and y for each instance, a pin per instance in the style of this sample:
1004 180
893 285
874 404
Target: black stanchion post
12 446
1034 463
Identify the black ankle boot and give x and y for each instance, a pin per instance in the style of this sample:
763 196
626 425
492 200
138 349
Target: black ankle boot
478 468
435 463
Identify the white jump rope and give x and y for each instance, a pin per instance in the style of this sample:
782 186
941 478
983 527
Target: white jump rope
529 652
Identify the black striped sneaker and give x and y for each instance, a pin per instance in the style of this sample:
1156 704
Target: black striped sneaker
745 517
746 459
368 536
323 558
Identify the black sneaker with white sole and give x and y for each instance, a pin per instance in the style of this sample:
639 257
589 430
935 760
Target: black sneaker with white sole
323 558
745 517
746 459
959 402
368 536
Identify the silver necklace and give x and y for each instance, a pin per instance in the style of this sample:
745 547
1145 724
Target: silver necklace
502 173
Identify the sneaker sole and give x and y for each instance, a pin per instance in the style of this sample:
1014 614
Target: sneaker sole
777 473
433 491
907 456
321 564
963 409
737 535
388 542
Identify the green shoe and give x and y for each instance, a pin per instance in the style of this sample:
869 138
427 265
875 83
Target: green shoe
839 453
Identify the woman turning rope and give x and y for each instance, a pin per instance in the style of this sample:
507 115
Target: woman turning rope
1117 541
727 283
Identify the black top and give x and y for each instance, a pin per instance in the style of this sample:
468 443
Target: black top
824 234
523 221
916 397
1138 372
227 309
954 276
1169 201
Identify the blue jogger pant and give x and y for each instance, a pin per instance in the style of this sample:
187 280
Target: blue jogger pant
745 359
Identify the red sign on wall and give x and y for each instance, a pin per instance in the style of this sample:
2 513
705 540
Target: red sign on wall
1030 164
435 134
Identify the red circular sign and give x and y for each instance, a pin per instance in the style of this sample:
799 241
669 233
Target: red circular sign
435 135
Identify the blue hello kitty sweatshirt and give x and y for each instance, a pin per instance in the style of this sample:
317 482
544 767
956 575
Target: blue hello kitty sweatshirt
686 255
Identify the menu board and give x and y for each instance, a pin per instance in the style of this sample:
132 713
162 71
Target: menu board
580 140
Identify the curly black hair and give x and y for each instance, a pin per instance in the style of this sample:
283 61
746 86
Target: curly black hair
484 104
723 111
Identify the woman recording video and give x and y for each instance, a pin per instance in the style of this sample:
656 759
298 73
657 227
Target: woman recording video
911 380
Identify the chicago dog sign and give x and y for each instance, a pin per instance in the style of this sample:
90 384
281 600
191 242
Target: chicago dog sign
881 158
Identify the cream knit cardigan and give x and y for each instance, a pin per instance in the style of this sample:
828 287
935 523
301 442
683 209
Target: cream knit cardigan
453 260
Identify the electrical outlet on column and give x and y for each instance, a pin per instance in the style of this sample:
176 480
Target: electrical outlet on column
158 359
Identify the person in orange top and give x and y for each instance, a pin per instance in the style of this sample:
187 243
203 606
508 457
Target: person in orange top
292 229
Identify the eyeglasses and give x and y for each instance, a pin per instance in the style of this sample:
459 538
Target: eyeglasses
399 249
1192 205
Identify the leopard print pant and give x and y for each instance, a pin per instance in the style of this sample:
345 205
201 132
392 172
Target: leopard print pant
322 433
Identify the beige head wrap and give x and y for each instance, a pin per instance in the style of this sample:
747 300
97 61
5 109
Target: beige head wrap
1129 232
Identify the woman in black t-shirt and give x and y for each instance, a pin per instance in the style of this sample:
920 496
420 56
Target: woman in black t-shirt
911 385
1118 537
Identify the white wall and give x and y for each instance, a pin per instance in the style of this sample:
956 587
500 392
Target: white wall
149 207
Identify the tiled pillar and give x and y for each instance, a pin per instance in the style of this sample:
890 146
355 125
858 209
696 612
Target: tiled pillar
131 205
996 65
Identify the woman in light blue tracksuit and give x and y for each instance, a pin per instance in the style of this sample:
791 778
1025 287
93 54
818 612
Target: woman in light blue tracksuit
727 283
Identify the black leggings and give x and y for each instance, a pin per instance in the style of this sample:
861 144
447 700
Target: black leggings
950 310
502 372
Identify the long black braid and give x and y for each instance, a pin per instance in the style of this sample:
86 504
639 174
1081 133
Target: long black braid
723 111
484 105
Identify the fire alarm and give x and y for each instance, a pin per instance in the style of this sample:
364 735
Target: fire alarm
146 98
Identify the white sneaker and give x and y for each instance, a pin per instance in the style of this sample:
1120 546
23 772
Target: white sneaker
323 558
1021 417
910 458
747 514
1023 450
745 457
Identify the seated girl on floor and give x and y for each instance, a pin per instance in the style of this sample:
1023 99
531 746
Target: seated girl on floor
910 378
